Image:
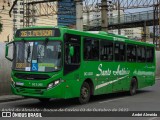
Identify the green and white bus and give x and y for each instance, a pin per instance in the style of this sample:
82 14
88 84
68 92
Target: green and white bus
57 62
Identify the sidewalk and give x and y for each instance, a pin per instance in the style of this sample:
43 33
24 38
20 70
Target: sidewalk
7 98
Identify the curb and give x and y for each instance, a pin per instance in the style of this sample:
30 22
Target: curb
12 99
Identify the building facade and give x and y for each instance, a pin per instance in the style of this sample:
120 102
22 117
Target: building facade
95 20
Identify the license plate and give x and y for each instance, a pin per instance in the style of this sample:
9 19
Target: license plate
19 83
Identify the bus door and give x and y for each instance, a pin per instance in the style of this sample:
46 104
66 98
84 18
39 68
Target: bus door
72 62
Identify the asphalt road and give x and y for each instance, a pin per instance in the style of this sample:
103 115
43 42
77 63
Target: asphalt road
147 99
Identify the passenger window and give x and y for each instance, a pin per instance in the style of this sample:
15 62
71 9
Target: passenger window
106 50
141 54
131 53
119 51
150 54
91 49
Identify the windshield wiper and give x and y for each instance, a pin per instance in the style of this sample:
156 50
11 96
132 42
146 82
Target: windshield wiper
40 49
28 52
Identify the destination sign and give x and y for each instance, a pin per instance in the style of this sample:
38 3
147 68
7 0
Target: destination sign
38 33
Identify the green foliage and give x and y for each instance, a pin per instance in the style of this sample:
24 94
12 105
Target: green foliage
1 26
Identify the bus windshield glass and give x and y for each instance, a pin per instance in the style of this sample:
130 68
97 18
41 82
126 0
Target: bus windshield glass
41 56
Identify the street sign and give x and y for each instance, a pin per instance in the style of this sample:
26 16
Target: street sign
66 12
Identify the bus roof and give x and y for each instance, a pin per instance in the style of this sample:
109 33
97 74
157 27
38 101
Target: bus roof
100 34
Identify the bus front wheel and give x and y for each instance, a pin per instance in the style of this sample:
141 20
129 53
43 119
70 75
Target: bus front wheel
133 86
85 93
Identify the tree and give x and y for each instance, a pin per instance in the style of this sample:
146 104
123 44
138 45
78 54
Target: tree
1 25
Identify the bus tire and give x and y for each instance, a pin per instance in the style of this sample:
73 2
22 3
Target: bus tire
44 100
85 93
133 86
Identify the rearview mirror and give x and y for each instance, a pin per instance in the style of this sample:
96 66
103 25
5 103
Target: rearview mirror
9 51
6 52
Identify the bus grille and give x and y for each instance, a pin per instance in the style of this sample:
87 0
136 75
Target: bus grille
31 76
29 91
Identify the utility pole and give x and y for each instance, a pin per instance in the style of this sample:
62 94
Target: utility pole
14 24
104 14
88 15
79 14
159 23
119 30
145 32
154 22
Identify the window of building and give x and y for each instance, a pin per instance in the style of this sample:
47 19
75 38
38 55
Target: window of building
106 50
119 51
14 20
21 3
21 20
14 11
21 12
131 53
91 49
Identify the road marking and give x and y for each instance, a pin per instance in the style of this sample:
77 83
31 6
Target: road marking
113 100
152 118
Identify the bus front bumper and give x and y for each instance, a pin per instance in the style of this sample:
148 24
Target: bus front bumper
56 92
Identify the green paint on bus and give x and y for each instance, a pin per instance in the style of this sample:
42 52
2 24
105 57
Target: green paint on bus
43 66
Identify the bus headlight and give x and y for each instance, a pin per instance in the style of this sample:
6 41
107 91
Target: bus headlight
54 83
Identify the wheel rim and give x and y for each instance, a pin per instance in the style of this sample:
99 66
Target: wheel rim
84 93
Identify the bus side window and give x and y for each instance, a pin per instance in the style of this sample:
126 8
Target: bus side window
91 49
131 53
106 50
141 54
149 54
119 51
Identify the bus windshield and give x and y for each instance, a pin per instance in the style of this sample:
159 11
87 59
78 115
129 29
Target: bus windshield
42 56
